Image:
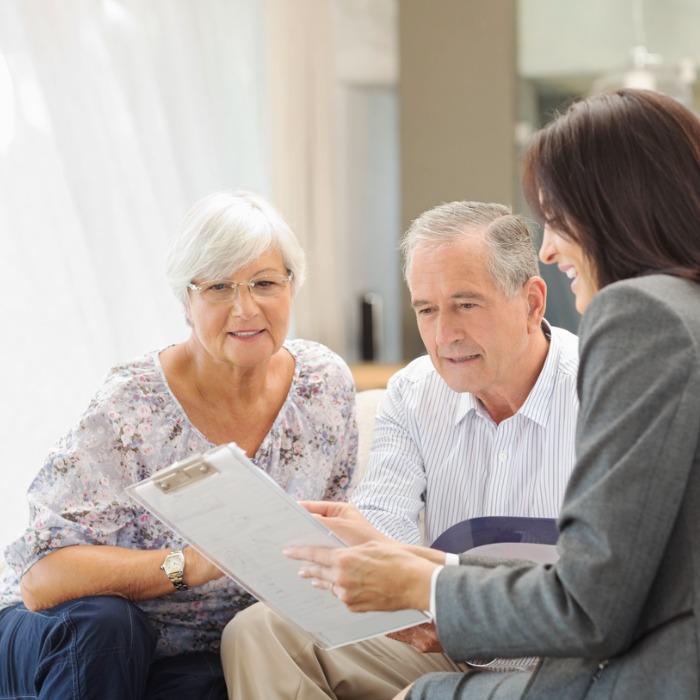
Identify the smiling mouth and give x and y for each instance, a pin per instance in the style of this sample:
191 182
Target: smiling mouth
571 273
464 358
244 334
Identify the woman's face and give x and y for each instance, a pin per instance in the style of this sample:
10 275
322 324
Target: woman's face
247 330
572 261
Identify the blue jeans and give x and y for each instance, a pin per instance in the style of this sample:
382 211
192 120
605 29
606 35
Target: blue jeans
99 647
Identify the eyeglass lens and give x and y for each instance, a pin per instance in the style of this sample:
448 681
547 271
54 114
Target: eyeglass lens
260 287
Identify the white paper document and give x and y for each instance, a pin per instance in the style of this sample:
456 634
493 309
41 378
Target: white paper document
241 520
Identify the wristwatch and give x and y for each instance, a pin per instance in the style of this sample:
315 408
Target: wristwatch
174 567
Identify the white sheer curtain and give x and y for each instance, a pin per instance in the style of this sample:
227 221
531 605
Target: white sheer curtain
115 116
303 85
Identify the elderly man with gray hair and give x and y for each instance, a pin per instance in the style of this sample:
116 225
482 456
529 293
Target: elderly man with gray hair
481 426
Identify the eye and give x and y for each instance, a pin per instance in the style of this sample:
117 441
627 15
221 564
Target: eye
424 311
268 286
265 283
467 305
218 286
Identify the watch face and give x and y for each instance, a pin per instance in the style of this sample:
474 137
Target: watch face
174 563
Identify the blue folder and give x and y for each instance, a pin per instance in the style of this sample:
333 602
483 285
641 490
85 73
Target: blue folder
476 532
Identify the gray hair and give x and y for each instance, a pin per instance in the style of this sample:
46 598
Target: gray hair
511 250
225 231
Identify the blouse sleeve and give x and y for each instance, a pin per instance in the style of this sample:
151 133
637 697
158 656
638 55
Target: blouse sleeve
78 495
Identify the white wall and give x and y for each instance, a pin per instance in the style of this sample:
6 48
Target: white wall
560 38
114 118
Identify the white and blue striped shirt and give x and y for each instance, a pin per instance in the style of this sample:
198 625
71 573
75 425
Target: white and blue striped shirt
439 449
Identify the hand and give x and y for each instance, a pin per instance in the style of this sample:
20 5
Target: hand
422 637
371 576
346 521
198 569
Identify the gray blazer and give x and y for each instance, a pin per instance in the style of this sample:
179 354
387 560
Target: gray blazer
615 616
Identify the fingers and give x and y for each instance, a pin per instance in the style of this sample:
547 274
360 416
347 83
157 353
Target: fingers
324 508
318 574
370 576
321 566
338 591
323 579
319 555
318 564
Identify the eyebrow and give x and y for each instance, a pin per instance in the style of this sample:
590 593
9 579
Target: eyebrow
269 271
259 273
458 295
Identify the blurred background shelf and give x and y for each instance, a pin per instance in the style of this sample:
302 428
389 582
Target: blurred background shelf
373 375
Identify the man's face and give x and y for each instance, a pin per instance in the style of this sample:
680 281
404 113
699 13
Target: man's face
476 337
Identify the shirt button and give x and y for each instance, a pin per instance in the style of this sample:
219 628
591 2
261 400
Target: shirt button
502 456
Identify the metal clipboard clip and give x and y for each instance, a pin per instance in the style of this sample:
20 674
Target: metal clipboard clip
186 473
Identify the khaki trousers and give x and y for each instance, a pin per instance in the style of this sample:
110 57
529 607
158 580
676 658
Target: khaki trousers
266 658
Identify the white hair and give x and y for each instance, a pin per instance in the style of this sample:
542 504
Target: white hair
511 252
226 231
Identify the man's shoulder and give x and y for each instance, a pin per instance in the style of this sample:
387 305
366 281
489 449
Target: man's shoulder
415 372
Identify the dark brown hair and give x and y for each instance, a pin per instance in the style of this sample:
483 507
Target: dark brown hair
619 173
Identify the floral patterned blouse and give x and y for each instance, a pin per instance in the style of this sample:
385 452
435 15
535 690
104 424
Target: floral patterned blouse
134 427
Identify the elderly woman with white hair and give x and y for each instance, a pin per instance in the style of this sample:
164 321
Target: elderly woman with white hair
87 609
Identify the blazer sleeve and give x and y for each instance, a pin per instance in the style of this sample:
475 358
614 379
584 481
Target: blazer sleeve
637 437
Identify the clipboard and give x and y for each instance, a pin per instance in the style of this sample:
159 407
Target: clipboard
240 519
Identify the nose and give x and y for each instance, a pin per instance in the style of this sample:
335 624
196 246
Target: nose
447 329
548 249
243 303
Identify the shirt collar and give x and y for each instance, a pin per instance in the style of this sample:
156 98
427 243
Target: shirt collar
538 403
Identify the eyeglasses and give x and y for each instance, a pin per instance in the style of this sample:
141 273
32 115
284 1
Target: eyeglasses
226 290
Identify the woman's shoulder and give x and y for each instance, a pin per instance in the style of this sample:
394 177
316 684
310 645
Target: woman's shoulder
319 369
635 315
132 381
142 370
311 356
654 296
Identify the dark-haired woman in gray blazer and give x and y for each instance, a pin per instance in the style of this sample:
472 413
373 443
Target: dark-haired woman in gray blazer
616 182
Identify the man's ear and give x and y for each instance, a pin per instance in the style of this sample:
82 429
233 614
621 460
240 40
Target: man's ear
536 295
